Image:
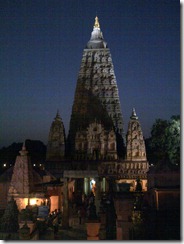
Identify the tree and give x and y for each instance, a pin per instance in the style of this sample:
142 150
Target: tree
9 221
164 143
172 137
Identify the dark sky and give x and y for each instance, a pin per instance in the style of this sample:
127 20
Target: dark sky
41 45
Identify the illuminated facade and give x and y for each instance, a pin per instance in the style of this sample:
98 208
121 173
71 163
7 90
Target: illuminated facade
22 186
136 165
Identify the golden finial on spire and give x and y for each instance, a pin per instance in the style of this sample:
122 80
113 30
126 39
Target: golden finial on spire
97 25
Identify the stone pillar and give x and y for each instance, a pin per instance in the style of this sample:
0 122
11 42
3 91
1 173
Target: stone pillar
89 187
104 185
65 219
97 195
86 186
119 229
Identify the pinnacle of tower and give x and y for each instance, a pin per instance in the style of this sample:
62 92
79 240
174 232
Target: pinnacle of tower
58 116
97 40
134 116
23 152
96 25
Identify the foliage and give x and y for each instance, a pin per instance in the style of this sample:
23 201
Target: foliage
137 218
172 134
137 229
9 221
164 143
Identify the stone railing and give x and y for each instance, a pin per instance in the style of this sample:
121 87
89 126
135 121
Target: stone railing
123 169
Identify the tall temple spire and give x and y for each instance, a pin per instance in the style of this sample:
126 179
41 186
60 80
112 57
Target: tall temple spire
96 96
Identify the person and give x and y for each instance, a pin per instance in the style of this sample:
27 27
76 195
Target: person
80 217
83 214
56 228
91 198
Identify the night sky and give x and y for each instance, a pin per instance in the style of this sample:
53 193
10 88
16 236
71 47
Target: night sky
41 46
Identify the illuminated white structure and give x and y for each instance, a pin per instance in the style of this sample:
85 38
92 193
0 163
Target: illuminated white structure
22 186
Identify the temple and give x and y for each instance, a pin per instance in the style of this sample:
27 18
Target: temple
96 147
97 168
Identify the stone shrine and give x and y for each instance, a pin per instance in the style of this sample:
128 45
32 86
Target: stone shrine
96 143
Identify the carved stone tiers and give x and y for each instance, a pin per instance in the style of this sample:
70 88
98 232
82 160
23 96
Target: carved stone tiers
22 178
96 94
22 181
136 150
124 169
56 142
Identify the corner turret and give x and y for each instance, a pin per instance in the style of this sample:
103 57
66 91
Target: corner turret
56 142
136 150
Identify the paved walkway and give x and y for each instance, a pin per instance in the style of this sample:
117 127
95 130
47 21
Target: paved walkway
76 232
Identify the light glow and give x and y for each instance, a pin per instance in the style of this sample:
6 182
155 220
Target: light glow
32 201
93 181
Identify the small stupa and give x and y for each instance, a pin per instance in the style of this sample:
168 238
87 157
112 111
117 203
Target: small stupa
22 185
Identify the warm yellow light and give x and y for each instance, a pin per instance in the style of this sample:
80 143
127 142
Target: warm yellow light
32 201
25 201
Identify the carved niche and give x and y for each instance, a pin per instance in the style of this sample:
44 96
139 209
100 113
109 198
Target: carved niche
95 142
